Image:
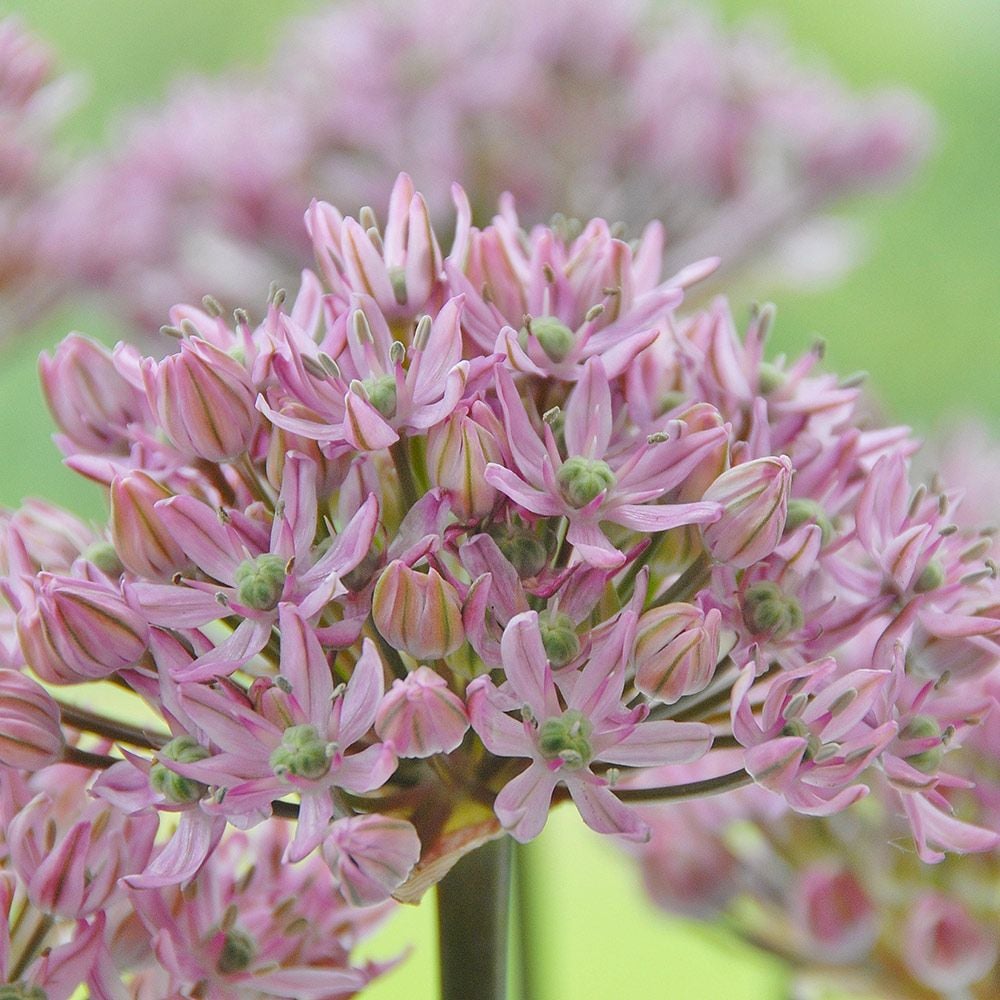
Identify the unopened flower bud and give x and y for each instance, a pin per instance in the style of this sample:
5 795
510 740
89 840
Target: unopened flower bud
141 540
566 738
91 403
371 856
562 645
419 613
555 337
676 651
79 631
260 581
582 479
754 498
172 786
770 613
203 400
458 452
30 735
801 511
421 716
303 753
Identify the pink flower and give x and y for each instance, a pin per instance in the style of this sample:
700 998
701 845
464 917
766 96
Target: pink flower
299 741
945 947
587 488
562 744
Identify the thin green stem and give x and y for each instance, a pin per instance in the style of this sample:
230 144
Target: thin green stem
692 790
90 722
688 583
525 888
32 945
400 453
473 913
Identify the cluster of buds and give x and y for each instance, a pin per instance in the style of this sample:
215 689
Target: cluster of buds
33 100
625 111
451 539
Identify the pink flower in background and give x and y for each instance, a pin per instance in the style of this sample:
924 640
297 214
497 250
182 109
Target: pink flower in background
626 112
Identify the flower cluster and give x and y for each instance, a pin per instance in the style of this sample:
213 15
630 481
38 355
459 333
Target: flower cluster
33 100
451 538
842 900
625 111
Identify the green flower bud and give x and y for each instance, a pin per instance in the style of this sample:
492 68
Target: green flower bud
303 753
104 557
259 581
381 393
581 479
567 738
554 336
238 951
808 512
769 612
931 577
559 639
172 786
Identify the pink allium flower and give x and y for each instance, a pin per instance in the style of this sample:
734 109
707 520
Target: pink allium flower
627 112
563 743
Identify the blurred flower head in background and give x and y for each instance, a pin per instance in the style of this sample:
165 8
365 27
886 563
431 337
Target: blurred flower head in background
627 111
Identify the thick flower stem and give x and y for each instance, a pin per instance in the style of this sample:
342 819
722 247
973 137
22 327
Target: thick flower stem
473 918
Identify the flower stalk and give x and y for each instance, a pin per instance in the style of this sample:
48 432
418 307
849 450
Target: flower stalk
473 924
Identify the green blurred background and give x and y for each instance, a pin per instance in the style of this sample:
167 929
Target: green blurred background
920 315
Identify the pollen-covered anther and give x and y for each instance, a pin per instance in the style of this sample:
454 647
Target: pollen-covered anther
582 479
260 581
566 738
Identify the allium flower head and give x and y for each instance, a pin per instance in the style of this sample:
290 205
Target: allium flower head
682 573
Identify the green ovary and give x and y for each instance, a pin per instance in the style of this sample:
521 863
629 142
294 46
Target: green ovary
172 786
559 639
582 479
238 951
260 581
567 738
381 393
303 753
555 337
